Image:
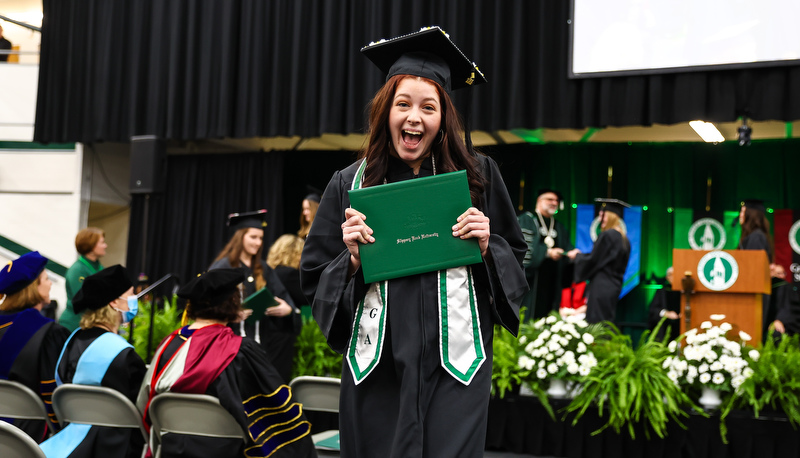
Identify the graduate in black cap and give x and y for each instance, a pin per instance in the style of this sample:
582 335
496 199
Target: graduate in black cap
277 330
756 236
96 355
309 211
605 266
755 227
207 357
29 342
412 384
544 262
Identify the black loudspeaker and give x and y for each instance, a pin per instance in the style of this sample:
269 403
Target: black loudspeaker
148 165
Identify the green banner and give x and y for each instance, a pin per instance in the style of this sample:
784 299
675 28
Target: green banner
706 230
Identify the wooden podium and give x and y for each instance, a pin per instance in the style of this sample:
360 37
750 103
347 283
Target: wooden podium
740 299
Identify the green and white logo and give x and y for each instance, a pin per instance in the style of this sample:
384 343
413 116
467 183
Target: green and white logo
717 270
793 239
594 229
707 234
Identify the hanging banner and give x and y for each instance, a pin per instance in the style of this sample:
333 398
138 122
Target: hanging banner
705 230
787 242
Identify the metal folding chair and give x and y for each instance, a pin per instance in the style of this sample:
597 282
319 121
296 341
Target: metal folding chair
192 414
319 394
14 443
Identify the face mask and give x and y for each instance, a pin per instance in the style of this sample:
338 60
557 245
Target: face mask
133 309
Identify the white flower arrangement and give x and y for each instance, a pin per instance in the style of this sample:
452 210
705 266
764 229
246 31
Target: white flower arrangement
555 347
709 359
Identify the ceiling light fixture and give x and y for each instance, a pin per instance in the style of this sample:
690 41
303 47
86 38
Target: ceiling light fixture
707 131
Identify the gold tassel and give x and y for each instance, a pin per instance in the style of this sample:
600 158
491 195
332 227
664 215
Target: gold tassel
184 318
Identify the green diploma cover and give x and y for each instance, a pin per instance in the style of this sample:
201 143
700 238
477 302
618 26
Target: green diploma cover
259 301
412 222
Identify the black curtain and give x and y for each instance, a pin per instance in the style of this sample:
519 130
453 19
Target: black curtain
185 227
193 69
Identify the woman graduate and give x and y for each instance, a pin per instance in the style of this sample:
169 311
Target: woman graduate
276 331
605 266
407 399
29 342
208 358
755 227
96 355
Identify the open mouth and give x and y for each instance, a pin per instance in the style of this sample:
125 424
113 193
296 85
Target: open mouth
412 138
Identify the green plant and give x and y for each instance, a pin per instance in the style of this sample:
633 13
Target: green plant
313 356
774 383
631 387
166 320
505 371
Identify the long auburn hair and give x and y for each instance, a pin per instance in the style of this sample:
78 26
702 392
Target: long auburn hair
305 226
451 154
754 220
23 299
233 251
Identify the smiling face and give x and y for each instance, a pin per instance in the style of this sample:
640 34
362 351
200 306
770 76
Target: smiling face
414 120
252 240
547 204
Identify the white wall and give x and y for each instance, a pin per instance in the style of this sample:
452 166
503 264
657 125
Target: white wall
40 204
18 101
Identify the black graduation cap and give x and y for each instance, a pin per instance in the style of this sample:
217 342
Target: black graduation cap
754 204
256 219
428 53
557 193
314 194
612 205
21 272
100 289
212 288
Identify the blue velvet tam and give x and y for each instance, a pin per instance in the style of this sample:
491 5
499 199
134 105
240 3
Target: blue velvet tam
21 272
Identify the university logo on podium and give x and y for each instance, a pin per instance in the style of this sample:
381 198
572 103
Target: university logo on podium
707 234
717 270
594 229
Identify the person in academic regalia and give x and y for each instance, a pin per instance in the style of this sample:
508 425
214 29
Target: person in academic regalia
544 261
756 236
237 372
784 307
755 227
29 342
284 259
91 246
96 355
666 303
604 267
277 330
309 206
417 375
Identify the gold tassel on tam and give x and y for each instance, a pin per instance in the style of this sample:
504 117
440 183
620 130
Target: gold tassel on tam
184 318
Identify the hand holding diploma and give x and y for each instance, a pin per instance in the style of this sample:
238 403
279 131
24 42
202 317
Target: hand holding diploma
473 224
355 231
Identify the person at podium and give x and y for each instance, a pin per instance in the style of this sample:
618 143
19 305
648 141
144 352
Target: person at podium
755 227
605 265
414 397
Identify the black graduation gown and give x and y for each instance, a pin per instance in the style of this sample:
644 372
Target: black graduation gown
290 277
544 274
409 406
124 374
277 334
35 364
604 267
757 240
249 374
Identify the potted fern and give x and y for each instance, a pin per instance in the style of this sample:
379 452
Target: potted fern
629 386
